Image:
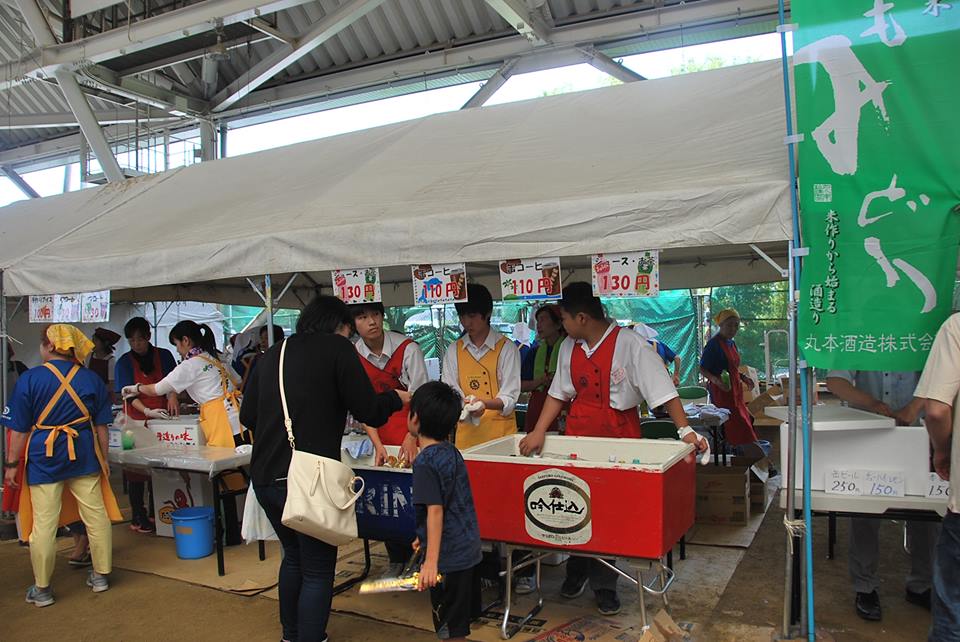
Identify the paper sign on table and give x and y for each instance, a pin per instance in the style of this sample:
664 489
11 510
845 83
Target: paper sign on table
41 309
626 274
66 308
530 279
865 483
937 488
357 286
439 283
95 307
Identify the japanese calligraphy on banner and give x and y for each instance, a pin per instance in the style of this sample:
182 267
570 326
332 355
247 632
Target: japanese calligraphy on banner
530 278
95 307
439 283
357 286
876 106
628 274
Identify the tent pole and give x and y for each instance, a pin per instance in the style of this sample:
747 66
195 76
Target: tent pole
268 302
4 366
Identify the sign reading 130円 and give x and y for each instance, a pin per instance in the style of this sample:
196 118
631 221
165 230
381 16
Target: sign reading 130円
626 274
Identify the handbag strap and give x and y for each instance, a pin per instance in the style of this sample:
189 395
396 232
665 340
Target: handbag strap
287 421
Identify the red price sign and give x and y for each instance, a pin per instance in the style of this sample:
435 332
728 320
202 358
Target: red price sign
357 286
631 274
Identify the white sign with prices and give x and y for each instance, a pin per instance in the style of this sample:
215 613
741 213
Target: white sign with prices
530 279
627 274
357 286
866 483
557 507
66 308
95 307
439 283
81 307
937 488
41 309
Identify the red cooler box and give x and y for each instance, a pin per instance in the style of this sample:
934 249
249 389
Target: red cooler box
617 497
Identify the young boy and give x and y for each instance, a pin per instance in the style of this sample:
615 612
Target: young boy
485 364
605 372
446 518
392 362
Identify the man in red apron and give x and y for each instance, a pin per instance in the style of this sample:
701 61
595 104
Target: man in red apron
605 373
720 366
144 364
393 362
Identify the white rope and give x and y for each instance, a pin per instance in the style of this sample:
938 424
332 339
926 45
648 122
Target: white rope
795 528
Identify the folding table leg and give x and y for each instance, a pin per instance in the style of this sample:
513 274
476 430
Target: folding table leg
831 535
507 630
353 581
683 547
218 524
263 550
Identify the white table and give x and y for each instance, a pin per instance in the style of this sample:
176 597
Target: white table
835 417
213 461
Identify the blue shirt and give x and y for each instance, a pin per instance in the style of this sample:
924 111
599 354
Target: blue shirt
664 351
713 359
123 373
33 391
529 360
440 479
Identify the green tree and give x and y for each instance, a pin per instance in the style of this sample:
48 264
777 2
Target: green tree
762 307
710 62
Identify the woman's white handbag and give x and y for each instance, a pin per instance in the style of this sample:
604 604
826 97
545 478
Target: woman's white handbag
320 490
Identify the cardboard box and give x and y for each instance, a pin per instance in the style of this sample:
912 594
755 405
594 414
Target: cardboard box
180 431
173 490
759 474
749 394
723 495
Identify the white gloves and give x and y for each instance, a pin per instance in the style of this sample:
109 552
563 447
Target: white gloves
703 457
129 392
152 413
470 405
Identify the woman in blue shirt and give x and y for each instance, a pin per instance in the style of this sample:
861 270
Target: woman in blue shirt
59 414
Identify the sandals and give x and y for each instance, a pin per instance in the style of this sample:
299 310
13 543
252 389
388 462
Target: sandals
81 562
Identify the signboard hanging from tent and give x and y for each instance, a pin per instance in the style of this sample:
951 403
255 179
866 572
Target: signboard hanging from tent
357 286
626 274
439 283
95 307
530 279
78 307
876 106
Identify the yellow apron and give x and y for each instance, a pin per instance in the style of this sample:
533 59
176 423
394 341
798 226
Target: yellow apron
479 378
214 421
69 512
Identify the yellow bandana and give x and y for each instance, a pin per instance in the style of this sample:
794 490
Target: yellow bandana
723 315
65 337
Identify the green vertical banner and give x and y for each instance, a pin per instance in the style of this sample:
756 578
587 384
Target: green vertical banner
878 109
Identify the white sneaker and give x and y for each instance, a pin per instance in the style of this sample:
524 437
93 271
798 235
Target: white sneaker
97 582
525 584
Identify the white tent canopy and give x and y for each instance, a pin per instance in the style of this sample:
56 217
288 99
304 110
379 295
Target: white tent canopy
693 165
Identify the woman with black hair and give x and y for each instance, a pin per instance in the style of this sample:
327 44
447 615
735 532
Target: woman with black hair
324 380
205 379
540 364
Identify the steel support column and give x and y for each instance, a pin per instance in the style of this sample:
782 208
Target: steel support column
608 65
492 86
17 180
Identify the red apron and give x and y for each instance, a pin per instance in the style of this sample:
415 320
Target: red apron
101 367
590 413
395 430
139 376
739 428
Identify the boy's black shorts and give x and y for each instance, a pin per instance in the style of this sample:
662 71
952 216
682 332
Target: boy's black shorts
456 601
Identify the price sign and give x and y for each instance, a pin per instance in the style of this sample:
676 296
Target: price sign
66 308
41 309
95 307
357 286
439 283
530 279
630 274
937 488
866 483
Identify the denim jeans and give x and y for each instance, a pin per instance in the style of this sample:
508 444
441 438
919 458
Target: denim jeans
306 573
945 626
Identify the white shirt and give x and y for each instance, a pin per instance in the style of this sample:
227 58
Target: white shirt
637 372
508 367
413 370
201 380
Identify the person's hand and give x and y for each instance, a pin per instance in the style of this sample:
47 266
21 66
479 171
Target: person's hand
129 392
723 385
903 417
173 406
676 379
153 413
747 381
532 443
404 396
479 411
428 576
941 464
409 449
880 408
697 441
10 478
381 456
415 545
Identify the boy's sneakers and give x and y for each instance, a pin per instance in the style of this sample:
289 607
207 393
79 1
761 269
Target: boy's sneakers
573 587
40 597
525 584
607 602
97 582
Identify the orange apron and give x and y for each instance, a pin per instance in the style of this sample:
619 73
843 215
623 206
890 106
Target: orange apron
479 378
214 421
69 512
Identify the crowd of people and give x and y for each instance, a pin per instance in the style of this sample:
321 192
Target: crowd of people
585 374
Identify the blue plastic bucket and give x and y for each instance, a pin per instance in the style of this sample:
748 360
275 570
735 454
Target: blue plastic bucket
193 532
